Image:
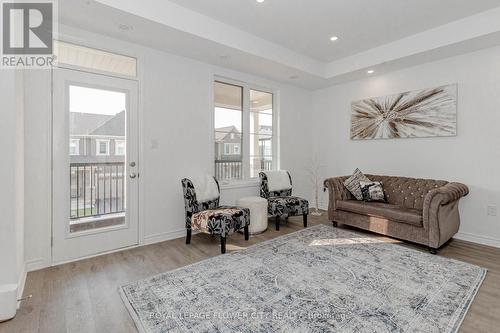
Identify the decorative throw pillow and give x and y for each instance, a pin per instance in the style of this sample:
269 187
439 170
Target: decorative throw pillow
372 191
352 183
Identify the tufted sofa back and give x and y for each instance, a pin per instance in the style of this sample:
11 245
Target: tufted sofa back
407 192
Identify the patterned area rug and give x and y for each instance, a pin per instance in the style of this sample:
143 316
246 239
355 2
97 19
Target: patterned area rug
320 279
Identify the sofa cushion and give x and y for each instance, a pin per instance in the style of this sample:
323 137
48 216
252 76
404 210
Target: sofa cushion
222 220
352 183
287 206
372 191
383 210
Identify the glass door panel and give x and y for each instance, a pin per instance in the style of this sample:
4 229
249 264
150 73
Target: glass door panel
95 170
97 141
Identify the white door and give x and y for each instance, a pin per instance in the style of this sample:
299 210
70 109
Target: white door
95 170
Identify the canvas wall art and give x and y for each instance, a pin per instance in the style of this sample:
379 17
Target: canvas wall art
415 114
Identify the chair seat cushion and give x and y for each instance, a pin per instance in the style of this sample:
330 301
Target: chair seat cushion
383 210
223 220
287 206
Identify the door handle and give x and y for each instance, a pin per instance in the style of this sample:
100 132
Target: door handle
132 175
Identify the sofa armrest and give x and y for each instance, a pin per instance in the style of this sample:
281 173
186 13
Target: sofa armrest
337 191
440 212
446 194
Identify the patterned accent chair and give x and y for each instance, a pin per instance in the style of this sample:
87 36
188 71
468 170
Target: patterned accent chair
211 218
281 203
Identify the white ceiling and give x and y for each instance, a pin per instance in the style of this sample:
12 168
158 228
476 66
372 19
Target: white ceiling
288 40
305 26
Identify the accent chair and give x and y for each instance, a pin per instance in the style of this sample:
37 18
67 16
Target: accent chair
276 187
211 218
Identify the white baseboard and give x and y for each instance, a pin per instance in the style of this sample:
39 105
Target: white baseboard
478 239
473 238
164 236
40 263
36 264
20 285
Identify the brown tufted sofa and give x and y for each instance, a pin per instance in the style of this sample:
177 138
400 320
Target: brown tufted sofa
423 211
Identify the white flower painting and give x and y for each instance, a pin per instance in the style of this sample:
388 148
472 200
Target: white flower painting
415 114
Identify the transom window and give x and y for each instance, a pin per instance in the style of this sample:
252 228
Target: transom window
244 131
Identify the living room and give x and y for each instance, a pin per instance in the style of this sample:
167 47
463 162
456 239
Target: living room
211 145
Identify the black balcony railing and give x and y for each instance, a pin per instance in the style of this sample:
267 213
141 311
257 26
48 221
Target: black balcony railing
97 189
228 170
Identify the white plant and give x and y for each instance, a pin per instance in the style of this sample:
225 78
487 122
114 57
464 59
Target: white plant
315 176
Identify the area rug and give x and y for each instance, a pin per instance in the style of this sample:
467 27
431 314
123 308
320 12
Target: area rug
320 279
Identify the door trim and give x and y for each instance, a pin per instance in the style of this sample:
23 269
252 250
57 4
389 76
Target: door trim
139 153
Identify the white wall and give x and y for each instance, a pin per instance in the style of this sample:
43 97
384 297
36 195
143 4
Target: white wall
12 179
472 157
19 180
8 268
175 94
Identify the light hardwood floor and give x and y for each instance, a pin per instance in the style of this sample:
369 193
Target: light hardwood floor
83 297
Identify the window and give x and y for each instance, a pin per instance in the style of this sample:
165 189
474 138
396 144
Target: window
243 126
102 147
120 147
74 147
261 132
231 148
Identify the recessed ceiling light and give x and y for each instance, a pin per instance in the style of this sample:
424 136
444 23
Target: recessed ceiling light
260 1
371 71
125 27
334 38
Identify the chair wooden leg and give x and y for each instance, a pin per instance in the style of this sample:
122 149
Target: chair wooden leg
188 236
433 250
305 220
335 224
277 223
247 235
223 245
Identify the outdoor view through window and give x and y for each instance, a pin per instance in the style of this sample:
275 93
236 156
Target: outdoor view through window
97 138
243 135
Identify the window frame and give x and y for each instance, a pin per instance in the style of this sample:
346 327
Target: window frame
77 146
236 145
229 148
98 146
117 142
245 131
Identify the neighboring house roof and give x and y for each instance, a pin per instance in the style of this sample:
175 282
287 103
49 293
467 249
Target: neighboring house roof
266 130
226 129
85 123
222 132
115 126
